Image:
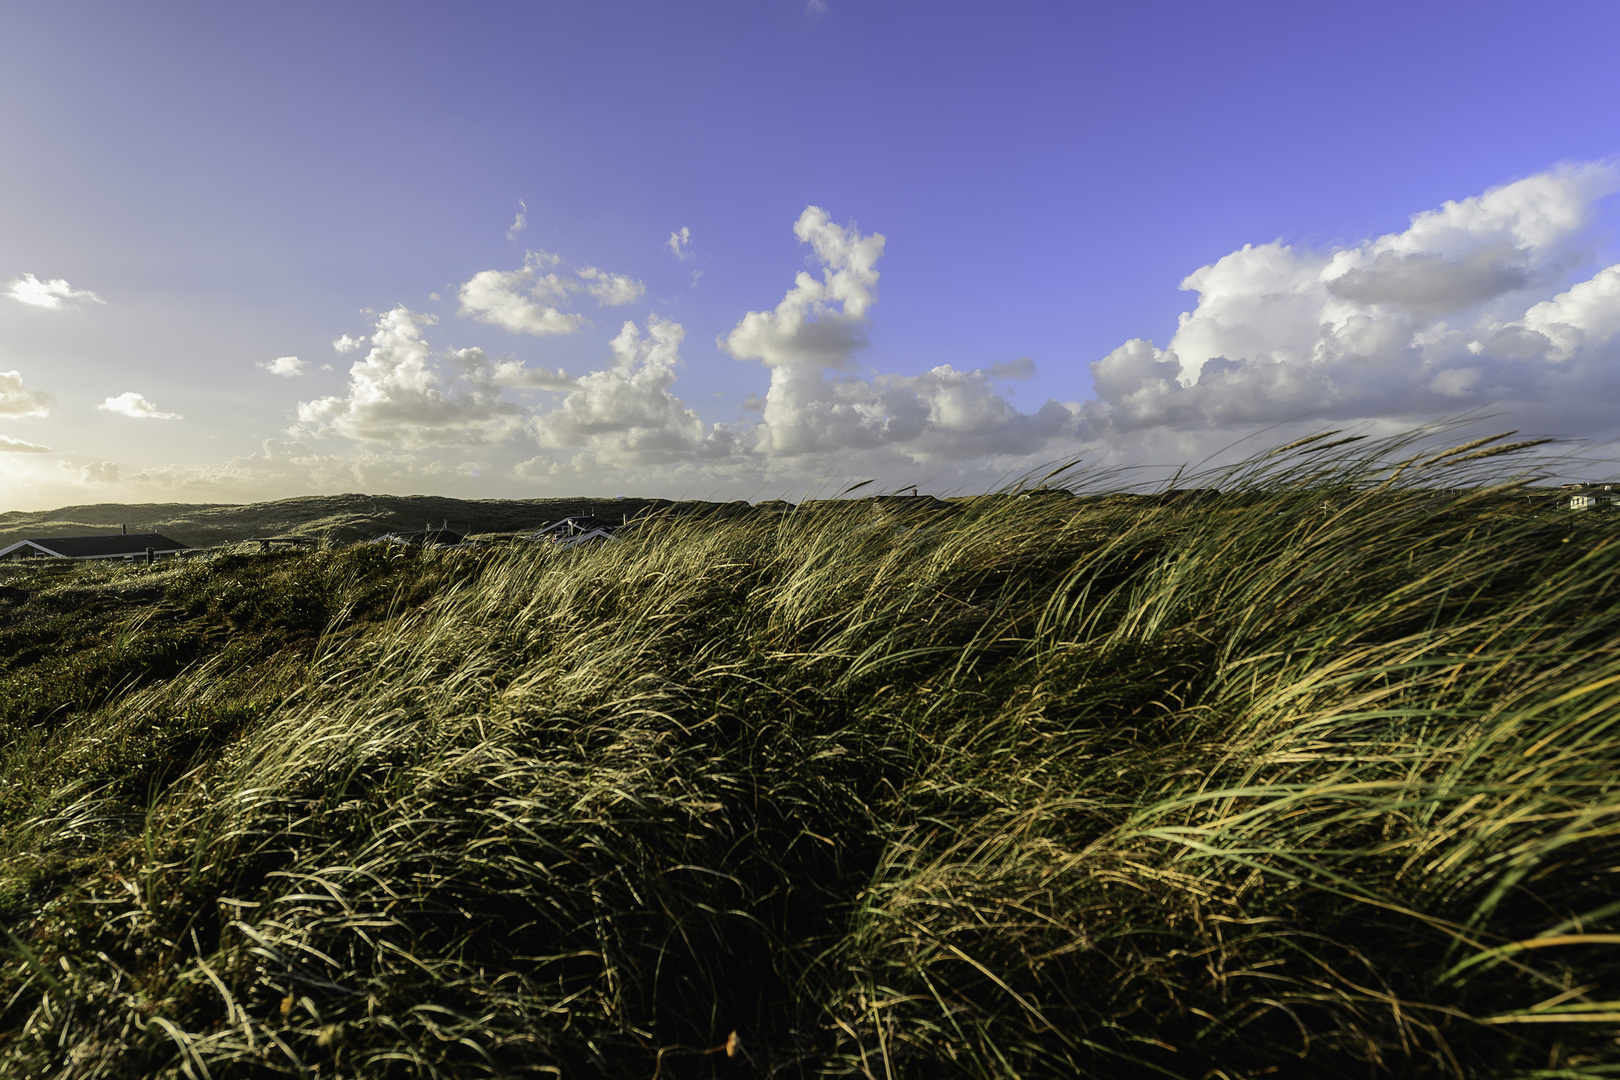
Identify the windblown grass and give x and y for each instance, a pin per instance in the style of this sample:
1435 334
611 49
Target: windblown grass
1318 778
337 518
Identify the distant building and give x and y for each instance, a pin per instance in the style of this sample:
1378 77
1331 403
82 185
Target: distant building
579 529
1592 496
116 546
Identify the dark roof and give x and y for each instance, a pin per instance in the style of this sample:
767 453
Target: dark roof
91 547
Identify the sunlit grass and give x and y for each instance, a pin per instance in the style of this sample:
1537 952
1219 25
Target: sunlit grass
1314 779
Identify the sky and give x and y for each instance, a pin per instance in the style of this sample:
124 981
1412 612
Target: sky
762 248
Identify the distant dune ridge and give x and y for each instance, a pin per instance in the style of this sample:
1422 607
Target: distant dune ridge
338 518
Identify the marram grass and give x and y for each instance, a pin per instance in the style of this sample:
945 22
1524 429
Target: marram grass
1318 778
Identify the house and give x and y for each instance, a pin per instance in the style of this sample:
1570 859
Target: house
115 546
579 529
1592 496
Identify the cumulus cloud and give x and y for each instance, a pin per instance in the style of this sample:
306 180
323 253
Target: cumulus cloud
818 323
611 290
52 294
626 414
1467 306
942 415
519 223
403 393
680 244
136 406
1587 313
514 374
9 445
523 301
531 299
286 365
16 400
99 472
817 406
347 344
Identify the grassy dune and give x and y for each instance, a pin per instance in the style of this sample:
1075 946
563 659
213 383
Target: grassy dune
1317 779
339 518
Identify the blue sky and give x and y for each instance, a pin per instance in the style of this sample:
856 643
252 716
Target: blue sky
217 187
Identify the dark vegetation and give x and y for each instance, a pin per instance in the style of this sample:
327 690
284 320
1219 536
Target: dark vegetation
337 518
1314 778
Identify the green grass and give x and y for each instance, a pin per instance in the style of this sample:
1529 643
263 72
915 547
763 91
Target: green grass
338 518
1315 779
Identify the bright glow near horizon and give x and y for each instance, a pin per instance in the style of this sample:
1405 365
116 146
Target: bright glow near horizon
746 249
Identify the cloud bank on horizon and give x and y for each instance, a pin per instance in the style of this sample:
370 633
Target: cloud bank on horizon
1469 306
1489 300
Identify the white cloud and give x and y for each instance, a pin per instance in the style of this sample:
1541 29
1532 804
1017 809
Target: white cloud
52 294
286 365
19 446
99 472
402 393
15 400
815 406
942 415
1587 314
134 405
532 299
519 223
1461 309
625 414
611 290
626 419
512 373
522 301
806 328
680 244
347 344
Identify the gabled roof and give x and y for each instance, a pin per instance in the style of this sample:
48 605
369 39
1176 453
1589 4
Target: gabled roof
98 547
574 526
